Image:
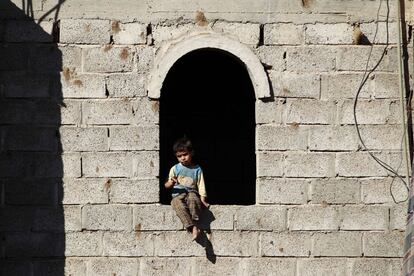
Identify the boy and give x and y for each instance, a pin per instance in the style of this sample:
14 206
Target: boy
188 188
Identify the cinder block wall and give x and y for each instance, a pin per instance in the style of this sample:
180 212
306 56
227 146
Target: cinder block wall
323 206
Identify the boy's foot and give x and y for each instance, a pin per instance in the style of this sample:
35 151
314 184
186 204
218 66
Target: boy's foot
195 232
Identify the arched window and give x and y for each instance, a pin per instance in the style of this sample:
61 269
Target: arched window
208 96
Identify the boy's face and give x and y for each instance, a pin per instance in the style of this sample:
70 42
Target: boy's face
184 157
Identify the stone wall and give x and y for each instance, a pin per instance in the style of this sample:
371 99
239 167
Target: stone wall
79 175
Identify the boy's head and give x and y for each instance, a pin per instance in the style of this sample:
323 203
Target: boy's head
183 150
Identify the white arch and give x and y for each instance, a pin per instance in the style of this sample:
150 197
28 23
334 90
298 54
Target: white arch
168 54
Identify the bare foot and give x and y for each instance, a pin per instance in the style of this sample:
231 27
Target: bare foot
195 232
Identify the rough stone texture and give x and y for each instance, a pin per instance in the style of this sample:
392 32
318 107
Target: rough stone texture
84 139
388 244
335 191
310 112
281 138
293 85
337 244
309 164
310 59
129 33
134 191
272 56
112 266
107 112
269 164
108 59
245 33
128 244
83 244
107 217
269 112
333 138
316 217
84 191
364 217
328 34
310 267
84 31
106 164
251 218
134 138
286 244
156 217
374 191
82 86
126 85
281 191
283 34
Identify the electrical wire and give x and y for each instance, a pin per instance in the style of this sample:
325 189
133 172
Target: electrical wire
366 75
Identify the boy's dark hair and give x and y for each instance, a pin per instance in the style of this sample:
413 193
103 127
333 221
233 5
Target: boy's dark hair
183 144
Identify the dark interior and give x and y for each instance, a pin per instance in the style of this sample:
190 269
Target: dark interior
208 96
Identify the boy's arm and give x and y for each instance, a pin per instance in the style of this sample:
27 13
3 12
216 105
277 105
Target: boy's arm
172 179
202 190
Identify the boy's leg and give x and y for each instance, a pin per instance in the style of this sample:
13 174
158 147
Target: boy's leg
194 204
179 204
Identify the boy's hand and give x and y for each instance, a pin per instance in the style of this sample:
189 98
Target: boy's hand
171 182
204 201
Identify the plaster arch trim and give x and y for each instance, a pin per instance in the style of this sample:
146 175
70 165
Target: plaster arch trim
171 52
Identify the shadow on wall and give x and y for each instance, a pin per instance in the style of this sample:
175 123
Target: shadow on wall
31 167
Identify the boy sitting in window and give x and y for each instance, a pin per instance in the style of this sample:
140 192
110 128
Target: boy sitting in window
188 189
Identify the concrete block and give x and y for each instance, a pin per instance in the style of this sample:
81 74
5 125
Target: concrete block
16 218
108 59
134 191
146 111
309 164
364 217
145 164
310 112
333 138
126 85
251 218
374 191
281 191
45 58
269 164
144 58
107 112
386 85
340 86
337 244
396 266
398 216
285 244
106 164
129 33
295 85
370 266
269 112
328 266
165 266
311 58
71 57
335 191
51 165
162 33
218 218
14 57
82 86
177 244
28 31
339 33
354 58
223 266
29 138
83 244
112 266
25 85
57 219
107 217
31 192
386 137
134 138
272 56
49 267
241 244
84 139
84 31
360 164
84 191
156 217
315 217
389 244
22 267
246 33
70 112
31 245
263 266
128 244
380 28
270 137
283 34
